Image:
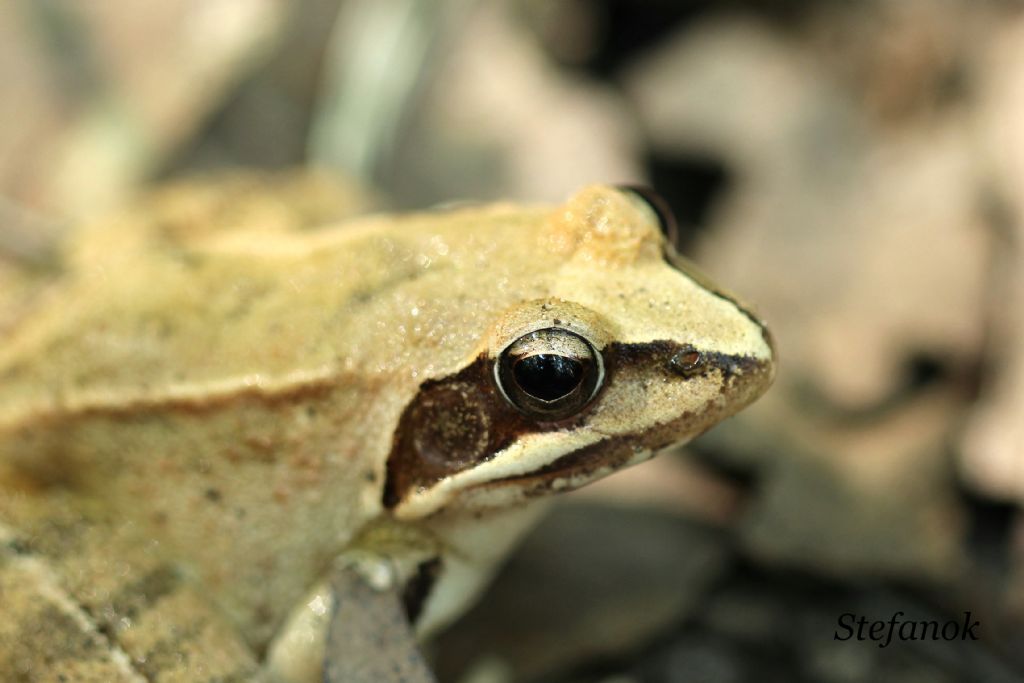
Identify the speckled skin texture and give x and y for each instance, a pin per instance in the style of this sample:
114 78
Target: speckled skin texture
216 408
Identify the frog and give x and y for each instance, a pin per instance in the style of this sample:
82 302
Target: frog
199 423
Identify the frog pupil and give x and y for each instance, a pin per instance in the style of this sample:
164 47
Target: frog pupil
548 376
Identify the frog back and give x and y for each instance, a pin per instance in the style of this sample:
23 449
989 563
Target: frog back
237 398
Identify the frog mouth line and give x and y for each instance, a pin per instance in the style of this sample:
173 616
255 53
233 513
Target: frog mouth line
609 453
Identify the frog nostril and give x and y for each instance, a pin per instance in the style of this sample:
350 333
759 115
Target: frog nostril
686 362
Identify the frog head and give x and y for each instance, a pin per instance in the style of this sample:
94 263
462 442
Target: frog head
619 348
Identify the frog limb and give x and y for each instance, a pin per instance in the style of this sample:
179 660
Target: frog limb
367 592
369 637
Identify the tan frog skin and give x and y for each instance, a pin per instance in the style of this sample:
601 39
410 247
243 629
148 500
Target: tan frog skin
196 423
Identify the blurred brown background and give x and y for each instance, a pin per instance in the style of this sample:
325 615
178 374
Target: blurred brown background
855 169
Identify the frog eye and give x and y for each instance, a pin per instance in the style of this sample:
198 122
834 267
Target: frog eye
657 204
549 374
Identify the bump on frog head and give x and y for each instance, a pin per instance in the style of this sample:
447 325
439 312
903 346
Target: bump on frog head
631 352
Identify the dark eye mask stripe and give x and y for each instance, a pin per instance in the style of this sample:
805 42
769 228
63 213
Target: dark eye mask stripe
452 424
459 421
